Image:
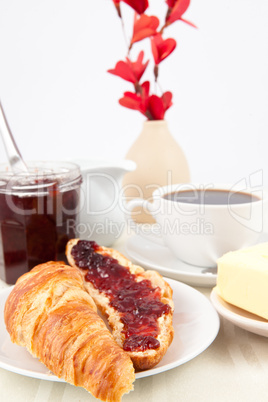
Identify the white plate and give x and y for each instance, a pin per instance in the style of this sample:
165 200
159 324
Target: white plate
196 324
239 317
154 256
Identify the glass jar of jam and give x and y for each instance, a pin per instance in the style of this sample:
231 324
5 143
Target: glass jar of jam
38 215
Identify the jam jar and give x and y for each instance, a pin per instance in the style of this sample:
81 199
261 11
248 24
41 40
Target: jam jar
38 215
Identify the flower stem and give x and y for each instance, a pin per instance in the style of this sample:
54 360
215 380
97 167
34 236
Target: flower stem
156 70
159 86
117 6
124 31
166 24
138 88
148 115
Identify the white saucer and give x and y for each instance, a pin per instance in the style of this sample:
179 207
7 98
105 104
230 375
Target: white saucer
153 256
239 317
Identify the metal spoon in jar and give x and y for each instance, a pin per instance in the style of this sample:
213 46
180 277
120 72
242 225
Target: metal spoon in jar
14 156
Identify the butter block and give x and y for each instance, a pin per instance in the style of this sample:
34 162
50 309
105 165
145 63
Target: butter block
243 279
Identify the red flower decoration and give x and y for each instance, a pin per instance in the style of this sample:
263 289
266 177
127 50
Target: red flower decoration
157 106
170 3
138 5
177 10
133 101
144 27
130 71
161 48
137 101
167 100
153 107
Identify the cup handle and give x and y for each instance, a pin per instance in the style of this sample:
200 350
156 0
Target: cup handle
151 229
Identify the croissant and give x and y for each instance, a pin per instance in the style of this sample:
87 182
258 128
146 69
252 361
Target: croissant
137 303
51 314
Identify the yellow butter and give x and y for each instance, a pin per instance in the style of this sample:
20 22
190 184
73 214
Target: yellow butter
243 279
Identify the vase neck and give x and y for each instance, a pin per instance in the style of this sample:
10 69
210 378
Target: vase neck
155 127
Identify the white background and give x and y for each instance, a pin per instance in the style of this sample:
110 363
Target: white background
62 104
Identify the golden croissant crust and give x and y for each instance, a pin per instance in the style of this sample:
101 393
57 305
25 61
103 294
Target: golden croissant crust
51 314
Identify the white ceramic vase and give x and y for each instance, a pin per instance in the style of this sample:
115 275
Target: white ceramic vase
160 161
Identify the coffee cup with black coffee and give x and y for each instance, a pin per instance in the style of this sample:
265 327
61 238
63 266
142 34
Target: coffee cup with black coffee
201 222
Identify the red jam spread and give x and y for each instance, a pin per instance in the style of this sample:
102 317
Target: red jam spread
138 302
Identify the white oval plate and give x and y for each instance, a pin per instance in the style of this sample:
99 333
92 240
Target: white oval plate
241 318
196 324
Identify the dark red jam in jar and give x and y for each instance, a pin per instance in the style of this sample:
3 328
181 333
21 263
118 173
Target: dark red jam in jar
38 215
138 303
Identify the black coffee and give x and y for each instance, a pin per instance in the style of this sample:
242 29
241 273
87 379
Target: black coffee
211 197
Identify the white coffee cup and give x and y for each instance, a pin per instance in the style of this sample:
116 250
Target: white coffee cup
199 233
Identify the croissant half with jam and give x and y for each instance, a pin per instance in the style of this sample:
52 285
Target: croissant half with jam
137 303
53 316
